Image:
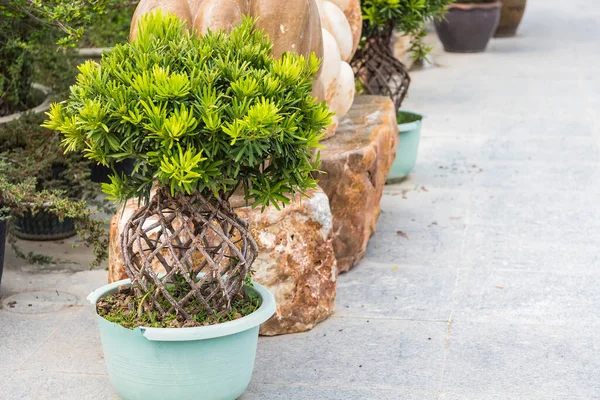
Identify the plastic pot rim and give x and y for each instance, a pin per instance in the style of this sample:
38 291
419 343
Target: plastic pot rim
409 126
264 312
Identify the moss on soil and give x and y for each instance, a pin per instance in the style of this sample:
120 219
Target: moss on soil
122 308
406 118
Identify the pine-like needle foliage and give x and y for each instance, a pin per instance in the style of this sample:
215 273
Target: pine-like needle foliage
204 113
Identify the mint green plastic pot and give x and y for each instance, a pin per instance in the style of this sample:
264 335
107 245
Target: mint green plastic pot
408 148
209 362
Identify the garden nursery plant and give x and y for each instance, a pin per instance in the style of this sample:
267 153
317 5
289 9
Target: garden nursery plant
376 68
43 190
201 117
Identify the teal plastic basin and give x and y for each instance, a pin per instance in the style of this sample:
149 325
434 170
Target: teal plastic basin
209 362
408 148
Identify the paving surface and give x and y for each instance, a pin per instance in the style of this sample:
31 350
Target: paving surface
494 291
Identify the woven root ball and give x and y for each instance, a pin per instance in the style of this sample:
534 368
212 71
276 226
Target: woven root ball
204 247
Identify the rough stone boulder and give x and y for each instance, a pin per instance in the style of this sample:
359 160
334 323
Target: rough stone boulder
296 260
357 161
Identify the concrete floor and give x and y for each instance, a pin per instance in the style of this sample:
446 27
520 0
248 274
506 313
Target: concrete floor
493 294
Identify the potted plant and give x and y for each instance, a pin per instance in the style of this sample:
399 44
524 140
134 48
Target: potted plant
409 129
29 150
24 196
200 116
469 25
377 70
511 15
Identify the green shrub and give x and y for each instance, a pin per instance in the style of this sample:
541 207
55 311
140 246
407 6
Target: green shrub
28 28
111 29
35 173
32 151
201 114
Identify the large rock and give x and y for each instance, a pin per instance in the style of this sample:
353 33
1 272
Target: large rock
296 260
329 28
357 161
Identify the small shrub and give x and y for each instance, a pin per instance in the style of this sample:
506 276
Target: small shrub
26 29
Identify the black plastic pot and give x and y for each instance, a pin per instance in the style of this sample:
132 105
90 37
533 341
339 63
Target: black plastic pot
99 173
2 246
42 226
468 28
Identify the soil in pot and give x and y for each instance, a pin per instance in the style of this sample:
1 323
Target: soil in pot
122 308
511 15
43 226
468 28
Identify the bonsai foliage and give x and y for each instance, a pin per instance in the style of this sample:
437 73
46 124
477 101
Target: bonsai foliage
200 116
197 114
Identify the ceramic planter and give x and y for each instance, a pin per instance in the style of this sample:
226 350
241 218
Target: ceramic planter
209 362
467 28
408 148
511 15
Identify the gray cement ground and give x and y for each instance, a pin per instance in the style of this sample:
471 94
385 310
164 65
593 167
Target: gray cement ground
493 294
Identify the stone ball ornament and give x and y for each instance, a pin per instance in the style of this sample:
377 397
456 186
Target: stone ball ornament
329 28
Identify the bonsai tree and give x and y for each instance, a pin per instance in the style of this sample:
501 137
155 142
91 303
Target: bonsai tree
26 29
200 117
376 68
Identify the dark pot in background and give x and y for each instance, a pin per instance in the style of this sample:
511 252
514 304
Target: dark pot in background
511 15
99 173
42 226
3 224
467 28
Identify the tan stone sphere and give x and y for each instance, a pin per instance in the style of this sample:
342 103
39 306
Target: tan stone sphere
328 28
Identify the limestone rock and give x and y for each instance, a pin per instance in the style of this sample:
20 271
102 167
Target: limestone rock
357 161
330 29
296 260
